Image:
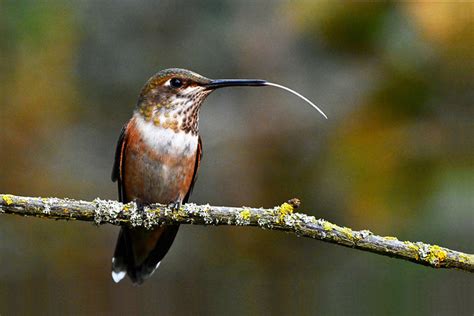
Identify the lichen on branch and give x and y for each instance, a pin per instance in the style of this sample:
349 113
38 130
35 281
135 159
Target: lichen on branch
282 217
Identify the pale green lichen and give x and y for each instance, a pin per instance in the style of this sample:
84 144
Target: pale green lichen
7 199
47 206
150 217
201 211
290 220
135 218
364 234
466 258
180 214
414 248
106 211
306 219
265 221
48 203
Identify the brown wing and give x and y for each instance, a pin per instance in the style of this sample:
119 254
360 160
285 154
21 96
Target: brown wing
196 169
117 170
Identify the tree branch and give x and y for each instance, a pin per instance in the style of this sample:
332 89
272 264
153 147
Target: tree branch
278 218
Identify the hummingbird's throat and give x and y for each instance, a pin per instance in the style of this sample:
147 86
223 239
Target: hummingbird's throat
177 115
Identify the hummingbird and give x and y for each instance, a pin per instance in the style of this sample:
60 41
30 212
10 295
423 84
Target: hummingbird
157 159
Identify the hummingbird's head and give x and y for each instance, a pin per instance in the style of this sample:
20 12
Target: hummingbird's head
172 98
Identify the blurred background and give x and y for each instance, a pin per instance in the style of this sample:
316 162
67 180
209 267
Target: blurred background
395 156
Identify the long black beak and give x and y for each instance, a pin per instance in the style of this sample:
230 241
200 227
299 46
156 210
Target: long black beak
221 83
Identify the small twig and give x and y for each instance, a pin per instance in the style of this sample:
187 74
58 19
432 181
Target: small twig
281 217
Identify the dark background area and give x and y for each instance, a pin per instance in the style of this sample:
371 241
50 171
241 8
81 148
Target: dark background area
395 156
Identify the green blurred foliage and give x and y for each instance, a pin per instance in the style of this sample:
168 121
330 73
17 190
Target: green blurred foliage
394 157
349 27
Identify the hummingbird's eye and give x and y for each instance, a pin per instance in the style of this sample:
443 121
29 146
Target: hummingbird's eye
176 83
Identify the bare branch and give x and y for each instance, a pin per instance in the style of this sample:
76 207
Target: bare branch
281 217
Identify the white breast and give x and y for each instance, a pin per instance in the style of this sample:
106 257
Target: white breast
167 141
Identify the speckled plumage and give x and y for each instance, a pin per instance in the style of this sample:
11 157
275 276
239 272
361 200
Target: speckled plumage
170 109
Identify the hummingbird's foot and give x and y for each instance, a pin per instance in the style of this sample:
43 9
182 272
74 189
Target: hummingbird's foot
175 205
140 206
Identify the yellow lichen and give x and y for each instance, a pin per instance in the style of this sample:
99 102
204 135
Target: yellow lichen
181 213
284 210
348 232
327 226
390 238
155 211
245 214
7 199
436 255
127 207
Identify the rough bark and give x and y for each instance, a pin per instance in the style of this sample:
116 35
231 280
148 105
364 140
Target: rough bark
281 217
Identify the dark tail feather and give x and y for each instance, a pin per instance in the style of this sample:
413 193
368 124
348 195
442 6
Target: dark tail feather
139 251
119 260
